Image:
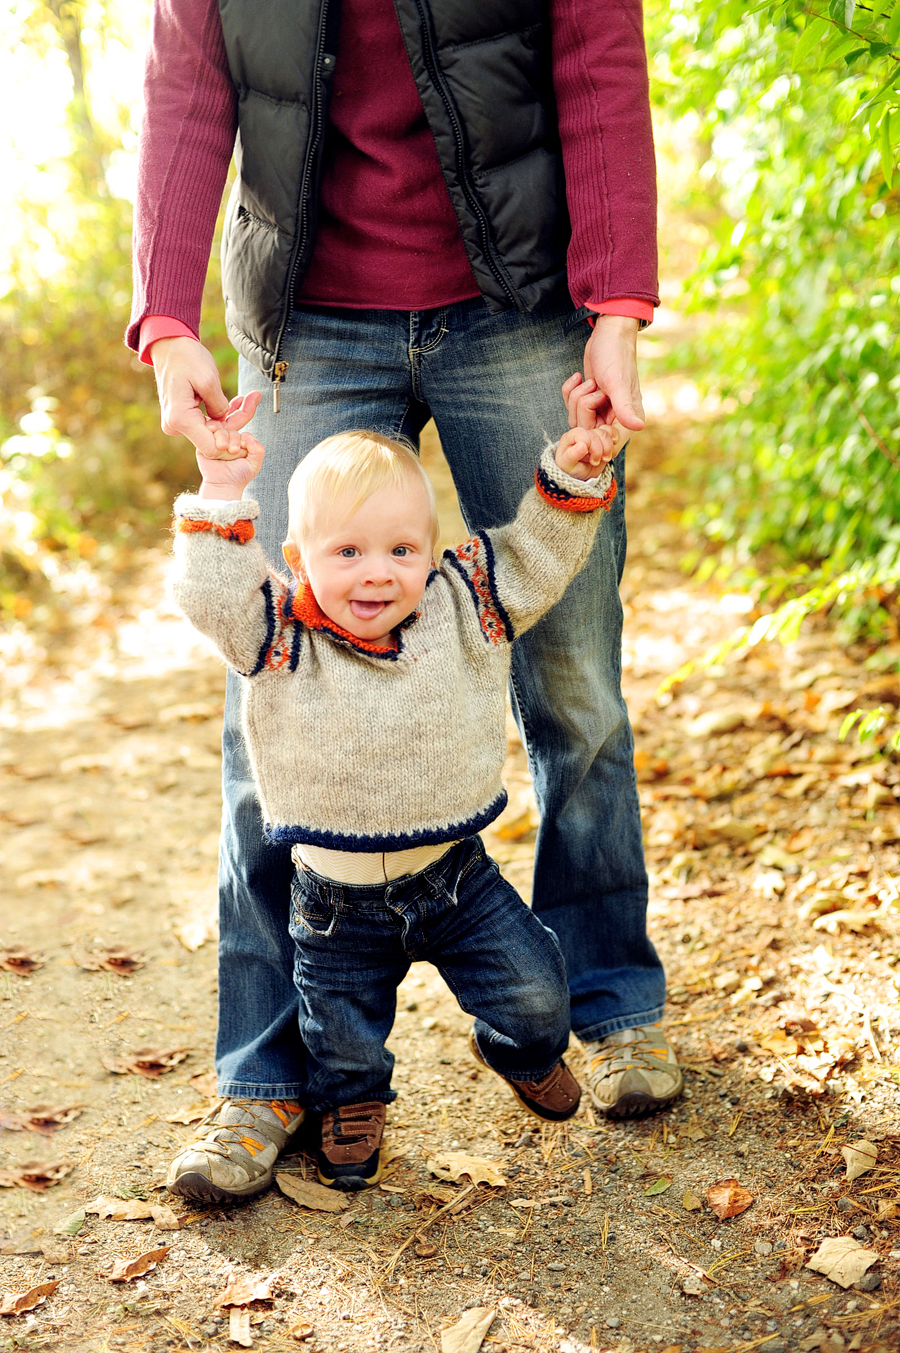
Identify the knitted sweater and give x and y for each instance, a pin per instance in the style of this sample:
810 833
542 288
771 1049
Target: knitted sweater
361 747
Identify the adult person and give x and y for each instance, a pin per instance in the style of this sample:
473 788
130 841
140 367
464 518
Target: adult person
431 196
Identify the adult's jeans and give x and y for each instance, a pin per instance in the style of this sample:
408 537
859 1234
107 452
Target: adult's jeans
492 384
355 945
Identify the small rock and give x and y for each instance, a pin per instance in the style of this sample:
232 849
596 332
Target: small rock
557 1268
773 1346
860 1233
763 1247
870 1282
845 1205
741 1046
209 1330
894 1254
613 1322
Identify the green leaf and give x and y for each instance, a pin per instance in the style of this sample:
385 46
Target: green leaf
887 150
894 25
848 722
877 9
71 1225
814 33
658 1186
849 10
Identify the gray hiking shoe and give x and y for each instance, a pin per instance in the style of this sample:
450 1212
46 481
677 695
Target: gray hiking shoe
632 1072
234 1156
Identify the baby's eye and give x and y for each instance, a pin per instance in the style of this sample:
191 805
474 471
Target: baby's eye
400 550
348 552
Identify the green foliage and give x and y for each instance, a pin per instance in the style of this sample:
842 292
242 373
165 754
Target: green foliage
790 107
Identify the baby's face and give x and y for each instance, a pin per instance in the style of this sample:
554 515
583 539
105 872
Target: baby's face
368 569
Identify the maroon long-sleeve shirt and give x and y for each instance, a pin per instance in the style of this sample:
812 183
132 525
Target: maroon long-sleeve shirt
388 237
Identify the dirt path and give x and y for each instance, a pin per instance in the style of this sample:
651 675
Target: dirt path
775 868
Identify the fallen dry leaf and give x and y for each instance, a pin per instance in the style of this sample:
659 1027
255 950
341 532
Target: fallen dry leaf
194 931
301 1330
27 1301
842 1259
36 1175
16 958
690 1202
307 1193
239 1327
692 1285
861 1157
134 1209
728 1198
187 1117
425 1250
150 1062
467 1335
45 1119
243 1290
125 1269
115 958
456 1164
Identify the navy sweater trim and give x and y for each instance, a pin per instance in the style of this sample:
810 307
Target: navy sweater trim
454 563
501 609
436 836
295 647
266 590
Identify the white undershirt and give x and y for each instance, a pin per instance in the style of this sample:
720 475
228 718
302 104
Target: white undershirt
360 867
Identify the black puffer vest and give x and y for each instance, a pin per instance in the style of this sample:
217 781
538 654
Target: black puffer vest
482 68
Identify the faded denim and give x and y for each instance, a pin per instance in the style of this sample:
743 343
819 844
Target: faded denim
355 944
492 383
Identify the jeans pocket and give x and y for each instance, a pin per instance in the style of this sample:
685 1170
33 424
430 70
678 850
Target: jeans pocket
313 912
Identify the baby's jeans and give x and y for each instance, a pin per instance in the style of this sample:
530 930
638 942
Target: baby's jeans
354 945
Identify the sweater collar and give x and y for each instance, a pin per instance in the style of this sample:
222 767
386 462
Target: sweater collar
303 606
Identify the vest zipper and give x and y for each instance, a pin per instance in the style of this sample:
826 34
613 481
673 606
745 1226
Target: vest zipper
324 67
280 371
437 78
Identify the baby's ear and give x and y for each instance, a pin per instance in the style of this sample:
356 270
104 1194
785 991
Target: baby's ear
293 560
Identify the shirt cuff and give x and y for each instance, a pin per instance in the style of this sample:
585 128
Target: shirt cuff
160 326
622 305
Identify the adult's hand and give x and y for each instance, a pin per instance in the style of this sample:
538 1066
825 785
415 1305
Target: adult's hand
187 379
610 361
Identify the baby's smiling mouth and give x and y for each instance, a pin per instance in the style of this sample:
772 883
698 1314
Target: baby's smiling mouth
367 610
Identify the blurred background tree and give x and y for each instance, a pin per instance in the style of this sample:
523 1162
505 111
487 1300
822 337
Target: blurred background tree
787 116
85 472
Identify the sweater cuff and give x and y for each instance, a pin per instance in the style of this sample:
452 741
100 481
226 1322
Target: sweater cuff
160 326
191 507
574 495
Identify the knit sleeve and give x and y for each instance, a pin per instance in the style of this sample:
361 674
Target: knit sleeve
603 104
516 572
186 140
221 581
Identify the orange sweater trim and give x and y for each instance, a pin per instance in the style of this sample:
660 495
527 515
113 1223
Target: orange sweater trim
570 502
307 610
241 531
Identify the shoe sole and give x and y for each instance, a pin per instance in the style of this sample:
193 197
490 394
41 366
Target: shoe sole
563 1118
199 1189
635 1104
350 1183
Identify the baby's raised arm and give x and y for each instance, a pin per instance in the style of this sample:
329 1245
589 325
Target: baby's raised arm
239 461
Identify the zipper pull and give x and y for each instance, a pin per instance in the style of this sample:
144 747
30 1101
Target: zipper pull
280 372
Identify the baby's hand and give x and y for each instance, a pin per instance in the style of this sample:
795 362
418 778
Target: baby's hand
583 452
238 459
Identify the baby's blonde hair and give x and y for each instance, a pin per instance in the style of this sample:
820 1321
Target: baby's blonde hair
350 466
